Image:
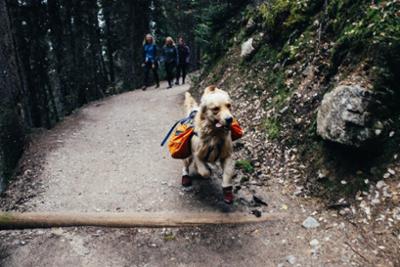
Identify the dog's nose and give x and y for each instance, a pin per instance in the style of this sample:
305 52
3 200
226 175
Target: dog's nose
229 120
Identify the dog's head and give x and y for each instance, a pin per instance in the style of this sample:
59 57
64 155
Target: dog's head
215 107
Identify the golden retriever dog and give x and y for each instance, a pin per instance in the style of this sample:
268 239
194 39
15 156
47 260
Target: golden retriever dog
212 142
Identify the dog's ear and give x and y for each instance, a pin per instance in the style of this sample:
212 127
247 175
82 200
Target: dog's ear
210 89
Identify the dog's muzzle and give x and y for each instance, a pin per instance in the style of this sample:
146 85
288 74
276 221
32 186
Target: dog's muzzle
228 121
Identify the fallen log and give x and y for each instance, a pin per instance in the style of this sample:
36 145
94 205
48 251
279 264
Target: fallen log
27 220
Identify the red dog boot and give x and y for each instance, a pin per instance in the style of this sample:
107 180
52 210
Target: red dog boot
228 194
186 181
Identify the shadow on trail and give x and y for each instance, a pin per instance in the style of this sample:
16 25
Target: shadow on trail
209 193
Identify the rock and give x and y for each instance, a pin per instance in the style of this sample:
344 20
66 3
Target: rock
245 197
283 110
247 48
276 66
380 184
310 223
323 174
256 213
344 116
314 246
251 25
314 243
378 131
291 259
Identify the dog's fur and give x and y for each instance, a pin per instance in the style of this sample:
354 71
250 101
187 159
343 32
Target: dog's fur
213 137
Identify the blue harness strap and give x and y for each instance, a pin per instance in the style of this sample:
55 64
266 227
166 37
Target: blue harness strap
182 121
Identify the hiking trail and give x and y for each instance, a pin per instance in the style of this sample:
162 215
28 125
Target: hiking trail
106 157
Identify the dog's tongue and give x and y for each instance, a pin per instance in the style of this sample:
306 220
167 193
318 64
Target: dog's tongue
218 125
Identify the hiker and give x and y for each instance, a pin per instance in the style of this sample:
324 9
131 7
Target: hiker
184 59
170 58
150 60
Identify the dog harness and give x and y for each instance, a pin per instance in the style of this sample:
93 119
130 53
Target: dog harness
187 120
182 132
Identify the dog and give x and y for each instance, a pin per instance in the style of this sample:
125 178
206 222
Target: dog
212 141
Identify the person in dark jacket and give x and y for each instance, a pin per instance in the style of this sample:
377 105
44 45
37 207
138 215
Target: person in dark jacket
170 58
184 59
150 60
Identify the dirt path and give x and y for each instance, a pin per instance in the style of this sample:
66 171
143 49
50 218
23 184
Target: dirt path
107 157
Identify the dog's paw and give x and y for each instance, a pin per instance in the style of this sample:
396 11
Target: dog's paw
186 181
204 173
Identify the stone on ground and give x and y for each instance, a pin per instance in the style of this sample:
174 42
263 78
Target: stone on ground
344 116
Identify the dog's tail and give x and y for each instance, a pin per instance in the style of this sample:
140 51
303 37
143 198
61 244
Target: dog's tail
190 103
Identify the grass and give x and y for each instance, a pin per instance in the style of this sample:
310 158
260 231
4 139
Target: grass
272 128
244 165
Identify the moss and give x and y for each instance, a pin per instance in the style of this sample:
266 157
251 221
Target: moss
244 165
266 54
299 46
169 237
280 92
373 32
282 17
272 128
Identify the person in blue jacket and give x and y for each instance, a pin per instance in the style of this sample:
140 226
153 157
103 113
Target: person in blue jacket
170 59
150 60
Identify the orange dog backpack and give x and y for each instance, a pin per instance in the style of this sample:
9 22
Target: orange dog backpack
236 130
182 131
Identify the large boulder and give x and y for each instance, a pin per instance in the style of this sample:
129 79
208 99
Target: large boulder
344 116
247 48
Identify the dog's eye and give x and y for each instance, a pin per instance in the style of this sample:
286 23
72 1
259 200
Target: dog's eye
228 106
216 109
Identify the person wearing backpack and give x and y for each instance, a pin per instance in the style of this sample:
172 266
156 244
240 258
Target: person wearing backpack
170 59
184 59
150 60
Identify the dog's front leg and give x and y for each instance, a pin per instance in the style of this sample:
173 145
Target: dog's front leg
228 168
201 167
186 165
186 181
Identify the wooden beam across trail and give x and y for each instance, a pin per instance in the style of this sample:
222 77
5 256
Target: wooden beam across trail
26 220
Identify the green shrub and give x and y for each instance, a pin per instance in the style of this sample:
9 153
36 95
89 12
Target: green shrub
374 34
281 17
245 165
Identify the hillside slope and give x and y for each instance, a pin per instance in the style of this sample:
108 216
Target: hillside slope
281 61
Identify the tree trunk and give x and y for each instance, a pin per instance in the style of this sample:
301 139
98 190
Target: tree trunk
11 124
106 5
